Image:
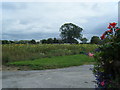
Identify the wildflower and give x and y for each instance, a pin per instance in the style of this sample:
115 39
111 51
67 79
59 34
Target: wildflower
113 24
109 31
117 29
90 54
109 27
103 36
102 83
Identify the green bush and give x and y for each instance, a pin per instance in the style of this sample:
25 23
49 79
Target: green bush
107 68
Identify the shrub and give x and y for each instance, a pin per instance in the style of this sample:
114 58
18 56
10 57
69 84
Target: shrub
107 68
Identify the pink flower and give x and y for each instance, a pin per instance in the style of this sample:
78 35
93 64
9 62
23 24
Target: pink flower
90 54
102 83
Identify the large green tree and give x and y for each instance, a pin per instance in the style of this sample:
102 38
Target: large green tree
95 40
69 32
32 41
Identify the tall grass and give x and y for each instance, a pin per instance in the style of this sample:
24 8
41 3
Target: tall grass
20 52
55 62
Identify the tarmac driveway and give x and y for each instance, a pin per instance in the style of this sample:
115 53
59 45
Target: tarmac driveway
72 77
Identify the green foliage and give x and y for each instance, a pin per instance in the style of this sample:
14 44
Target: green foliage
5 42
43 41
71 40
84 40
107 68
55 62
18 42
70 31
52 41
18 52
32 41
21 42
95 40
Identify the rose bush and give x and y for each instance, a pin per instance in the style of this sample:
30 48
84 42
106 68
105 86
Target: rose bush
107 67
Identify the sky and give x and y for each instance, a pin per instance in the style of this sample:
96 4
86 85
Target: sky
42 20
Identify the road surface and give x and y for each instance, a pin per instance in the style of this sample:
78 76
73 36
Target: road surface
72 77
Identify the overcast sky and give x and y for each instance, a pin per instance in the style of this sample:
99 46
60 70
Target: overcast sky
28 20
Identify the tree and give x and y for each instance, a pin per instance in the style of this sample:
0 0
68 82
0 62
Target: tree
23 42
69 32
44 41
11 42
49 40
55 40
5 42
95 40
32 41
60 41
84 40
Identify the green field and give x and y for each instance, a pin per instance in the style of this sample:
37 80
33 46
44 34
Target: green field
42 56
21 52
55 62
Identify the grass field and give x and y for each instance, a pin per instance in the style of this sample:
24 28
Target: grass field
46 56
24 52
55 62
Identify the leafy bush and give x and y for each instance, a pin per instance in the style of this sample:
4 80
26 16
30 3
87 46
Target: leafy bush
107 68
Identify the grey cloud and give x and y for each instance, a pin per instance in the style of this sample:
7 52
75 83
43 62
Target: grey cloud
13 5
43 20
29 36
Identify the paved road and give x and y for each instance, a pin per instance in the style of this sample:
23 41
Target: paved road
72 77
0 80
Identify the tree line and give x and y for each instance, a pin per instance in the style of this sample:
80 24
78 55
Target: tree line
69 33
94 40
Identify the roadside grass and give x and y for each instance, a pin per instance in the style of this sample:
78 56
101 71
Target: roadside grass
23 52
54 62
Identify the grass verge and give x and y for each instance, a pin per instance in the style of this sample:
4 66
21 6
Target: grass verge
55 62
22 52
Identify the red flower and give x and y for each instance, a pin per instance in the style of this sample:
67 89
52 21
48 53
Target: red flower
117 29
113 24
109 27
109 31
102 83
103 36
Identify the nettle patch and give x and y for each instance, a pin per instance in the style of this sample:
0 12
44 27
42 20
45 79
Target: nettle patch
107 68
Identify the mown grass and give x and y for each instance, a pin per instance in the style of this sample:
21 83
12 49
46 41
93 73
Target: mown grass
21 52
55 62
